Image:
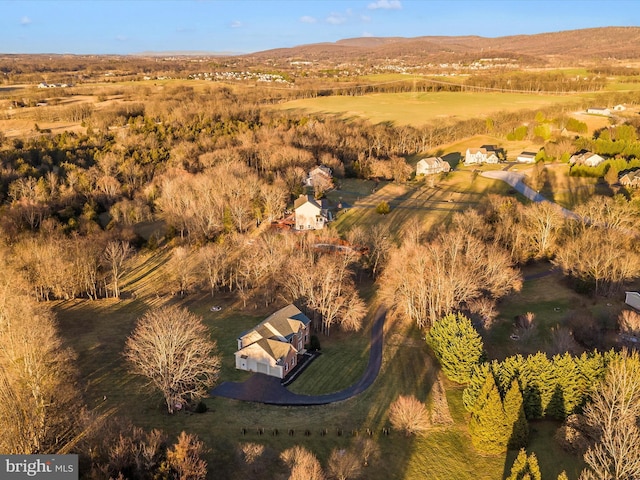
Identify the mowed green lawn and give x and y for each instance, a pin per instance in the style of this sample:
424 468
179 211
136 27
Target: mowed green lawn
424 108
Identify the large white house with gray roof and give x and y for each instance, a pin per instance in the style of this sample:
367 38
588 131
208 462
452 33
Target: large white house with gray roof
272 347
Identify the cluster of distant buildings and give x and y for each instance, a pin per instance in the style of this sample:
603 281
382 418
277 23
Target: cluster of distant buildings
54 85
238 76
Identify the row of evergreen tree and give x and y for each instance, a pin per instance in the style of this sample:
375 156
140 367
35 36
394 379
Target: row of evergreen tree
502 396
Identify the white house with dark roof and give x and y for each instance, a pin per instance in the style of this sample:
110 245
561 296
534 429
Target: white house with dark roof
311 214
432 165
272 347
480 155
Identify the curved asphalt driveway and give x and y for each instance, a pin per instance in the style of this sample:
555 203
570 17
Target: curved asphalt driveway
263 388
516 181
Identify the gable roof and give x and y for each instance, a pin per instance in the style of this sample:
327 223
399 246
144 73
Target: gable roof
280 325
473 151
321 170
270 338
431 161
273 351
302 199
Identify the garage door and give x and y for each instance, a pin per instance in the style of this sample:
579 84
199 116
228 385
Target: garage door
262 368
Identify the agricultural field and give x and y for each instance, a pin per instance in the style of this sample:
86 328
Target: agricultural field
424 108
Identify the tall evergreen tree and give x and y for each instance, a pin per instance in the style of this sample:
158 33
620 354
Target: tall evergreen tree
489 428
457 346
478 378
525 467
514 411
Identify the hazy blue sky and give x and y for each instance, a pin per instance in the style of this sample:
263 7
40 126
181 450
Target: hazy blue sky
115 26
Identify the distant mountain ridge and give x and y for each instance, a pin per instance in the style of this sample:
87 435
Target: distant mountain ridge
621 43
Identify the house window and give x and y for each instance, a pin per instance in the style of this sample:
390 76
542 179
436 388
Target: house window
293 361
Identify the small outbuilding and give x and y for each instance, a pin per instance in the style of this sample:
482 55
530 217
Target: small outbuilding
599 111
526 157
633 300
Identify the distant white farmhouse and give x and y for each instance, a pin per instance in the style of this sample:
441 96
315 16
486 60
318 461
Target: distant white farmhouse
480 155
53 85
311 214
633 299
526 157
588 159
432 165
599 111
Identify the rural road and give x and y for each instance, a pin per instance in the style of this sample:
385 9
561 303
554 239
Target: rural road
263 388
516 181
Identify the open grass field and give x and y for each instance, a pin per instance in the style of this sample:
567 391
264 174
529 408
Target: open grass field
456 192
423 108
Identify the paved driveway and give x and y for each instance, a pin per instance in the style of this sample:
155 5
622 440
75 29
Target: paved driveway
516 181
266 389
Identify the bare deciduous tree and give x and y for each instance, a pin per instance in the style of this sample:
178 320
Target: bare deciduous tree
344 464
180 271
410 415
39 403
427 281
327 289
302 464
629 322
170 346
368 449
214 264
611 261
613 412
115 255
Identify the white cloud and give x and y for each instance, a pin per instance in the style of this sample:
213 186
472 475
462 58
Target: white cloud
385 5
367 34
336 19
365 18
236 24
308 19
122 38
24 21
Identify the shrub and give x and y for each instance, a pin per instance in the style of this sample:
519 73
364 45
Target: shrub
410 415
383 208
